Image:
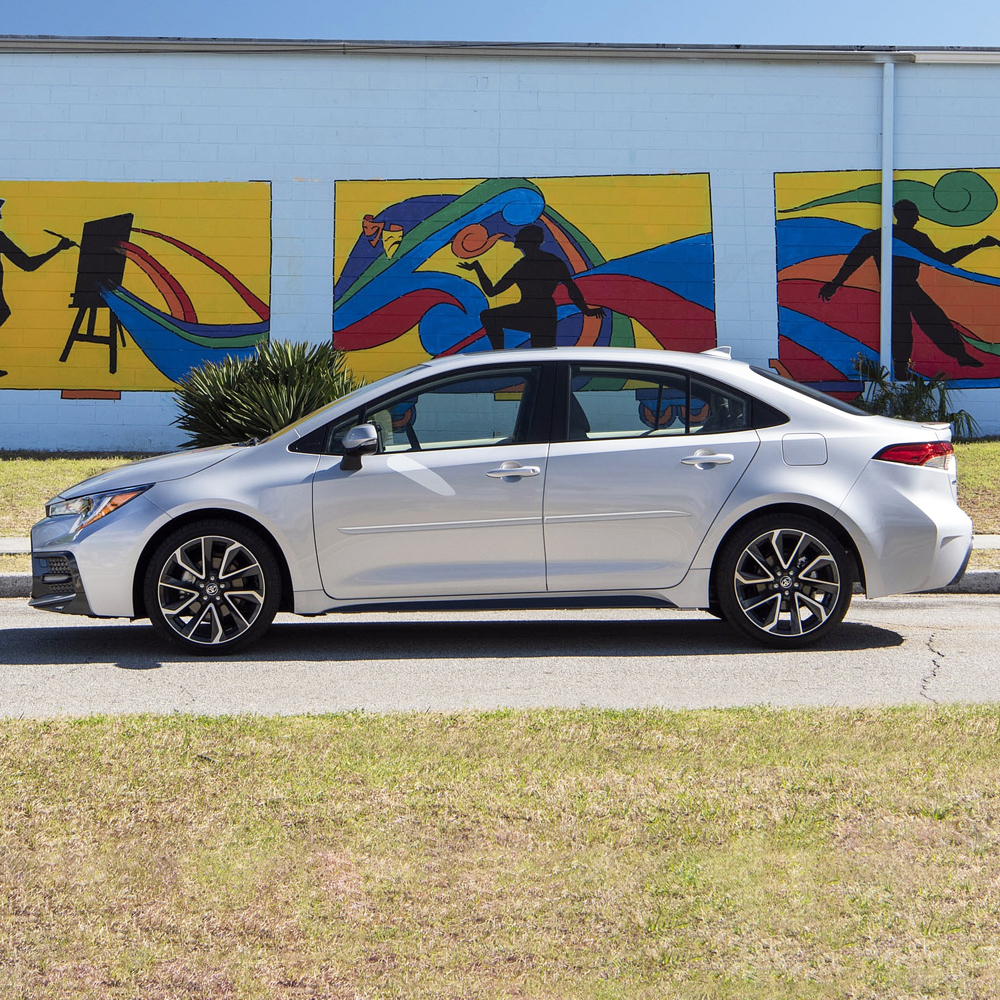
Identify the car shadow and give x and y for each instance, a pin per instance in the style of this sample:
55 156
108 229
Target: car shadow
136 647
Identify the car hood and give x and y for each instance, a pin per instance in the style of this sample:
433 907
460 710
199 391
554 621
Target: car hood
152 470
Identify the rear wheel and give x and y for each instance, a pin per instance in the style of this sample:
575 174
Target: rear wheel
784 579
212 587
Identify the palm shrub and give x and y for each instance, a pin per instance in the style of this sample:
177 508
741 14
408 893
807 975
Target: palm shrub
253 397
925 401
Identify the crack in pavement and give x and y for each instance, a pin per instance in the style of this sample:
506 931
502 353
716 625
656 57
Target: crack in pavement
925 682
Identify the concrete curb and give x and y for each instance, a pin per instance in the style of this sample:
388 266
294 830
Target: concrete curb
15 584
975 581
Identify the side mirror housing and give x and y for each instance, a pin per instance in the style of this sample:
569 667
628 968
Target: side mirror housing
358 441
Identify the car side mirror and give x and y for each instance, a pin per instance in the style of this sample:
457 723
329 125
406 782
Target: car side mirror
358 441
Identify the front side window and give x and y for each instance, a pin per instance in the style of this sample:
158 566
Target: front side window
465 411
607 402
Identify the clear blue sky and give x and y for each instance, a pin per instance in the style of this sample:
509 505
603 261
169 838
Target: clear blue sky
720 22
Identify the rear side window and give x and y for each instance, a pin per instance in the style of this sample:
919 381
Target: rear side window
608 402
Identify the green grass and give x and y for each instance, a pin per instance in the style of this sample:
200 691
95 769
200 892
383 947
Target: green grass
548 854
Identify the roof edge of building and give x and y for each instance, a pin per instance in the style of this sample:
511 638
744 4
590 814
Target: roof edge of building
844 53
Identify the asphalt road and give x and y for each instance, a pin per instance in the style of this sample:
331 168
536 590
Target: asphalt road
918 649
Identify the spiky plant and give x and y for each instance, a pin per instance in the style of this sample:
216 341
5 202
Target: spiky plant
238 399
923 400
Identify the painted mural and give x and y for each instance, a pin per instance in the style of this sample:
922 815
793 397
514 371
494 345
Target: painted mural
122 286
945 265
428 268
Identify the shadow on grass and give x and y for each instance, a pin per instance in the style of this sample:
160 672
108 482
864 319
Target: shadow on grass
328 640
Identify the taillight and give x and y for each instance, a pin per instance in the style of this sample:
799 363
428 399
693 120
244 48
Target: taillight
934 454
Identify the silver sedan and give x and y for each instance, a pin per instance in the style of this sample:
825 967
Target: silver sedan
567 478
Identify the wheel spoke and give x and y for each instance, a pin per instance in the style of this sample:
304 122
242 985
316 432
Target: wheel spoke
184 605
755 552
234 610
181 558
814 606
795 552
218 632
823 559
795 620
189 629
744 571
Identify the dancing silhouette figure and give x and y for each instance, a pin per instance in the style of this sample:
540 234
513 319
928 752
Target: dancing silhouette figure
910 303
537 275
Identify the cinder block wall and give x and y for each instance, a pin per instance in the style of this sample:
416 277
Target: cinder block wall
304 121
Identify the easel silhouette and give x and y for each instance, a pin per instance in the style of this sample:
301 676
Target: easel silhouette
115 331
102 265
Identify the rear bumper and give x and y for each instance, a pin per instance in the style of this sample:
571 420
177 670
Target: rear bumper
958 576
910 533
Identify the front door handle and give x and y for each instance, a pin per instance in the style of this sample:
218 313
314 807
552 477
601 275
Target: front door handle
510 471
703 457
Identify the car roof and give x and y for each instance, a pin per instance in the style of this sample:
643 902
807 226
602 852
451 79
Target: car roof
626 355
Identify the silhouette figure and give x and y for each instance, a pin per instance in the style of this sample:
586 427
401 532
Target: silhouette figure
537 275
910 303
26 262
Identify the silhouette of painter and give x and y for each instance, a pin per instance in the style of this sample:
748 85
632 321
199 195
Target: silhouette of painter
910 303
537 275
26 262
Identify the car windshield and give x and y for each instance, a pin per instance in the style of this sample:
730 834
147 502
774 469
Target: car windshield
388 379
808 390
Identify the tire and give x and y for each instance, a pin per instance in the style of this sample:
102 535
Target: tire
784 579
212 587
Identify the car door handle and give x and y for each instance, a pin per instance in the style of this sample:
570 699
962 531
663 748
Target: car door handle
511 470
703 457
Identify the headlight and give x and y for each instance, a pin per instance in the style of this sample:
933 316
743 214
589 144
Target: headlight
92 508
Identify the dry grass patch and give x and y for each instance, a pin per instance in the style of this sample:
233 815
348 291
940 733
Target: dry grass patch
984 559
15 564
29 479
979 483
519 854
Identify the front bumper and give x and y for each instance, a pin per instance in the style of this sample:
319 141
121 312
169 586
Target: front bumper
56 584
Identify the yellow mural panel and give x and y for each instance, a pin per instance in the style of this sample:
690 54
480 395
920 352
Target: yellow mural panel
611 261
174 273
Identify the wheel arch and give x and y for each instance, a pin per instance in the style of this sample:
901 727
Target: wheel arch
802 510
192 517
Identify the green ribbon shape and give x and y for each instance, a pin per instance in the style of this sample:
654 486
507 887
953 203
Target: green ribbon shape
960 198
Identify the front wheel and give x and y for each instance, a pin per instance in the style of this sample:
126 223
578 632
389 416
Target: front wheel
212 587
784 579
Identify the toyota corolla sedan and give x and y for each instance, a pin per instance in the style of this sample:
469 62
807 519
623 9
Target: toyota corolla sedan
566 478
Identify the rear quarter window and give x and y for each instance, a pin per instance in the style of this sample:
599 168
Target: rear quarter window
805 390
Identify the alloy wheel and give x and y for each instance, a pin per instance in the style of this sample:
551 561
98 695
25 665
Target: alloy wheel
787 582
211 589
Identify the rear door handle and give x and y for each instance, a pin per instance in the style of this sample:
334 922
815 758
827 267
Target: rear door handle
512 470
703 457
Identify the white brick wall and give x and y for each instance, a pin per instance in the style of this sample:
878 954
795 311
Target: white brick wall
304 121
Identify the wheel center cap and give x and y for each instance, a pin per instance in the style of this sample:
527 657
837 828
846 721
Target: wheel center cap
785 582
212 589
